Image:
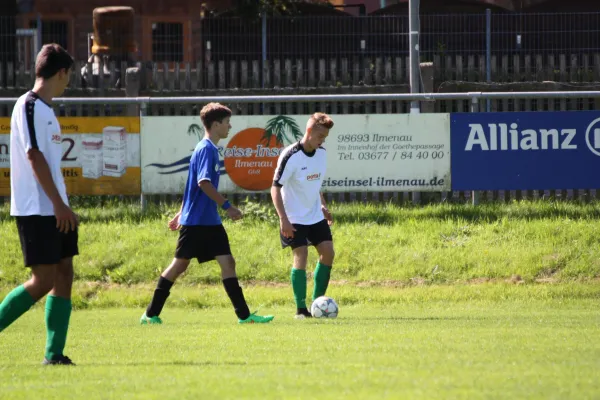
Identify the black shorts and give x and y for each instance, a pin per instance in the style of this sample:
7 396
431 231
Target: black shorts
41 241
204 242
307 235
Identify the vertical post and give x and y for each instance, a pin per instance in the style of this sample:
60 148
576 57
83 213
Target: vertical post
264 43
488 52
264 54
474 109
132 89
413 27
39 34
143 112
382 4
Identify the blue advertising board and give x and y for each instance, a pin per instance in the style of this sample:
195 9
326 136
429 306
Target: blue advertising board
525 150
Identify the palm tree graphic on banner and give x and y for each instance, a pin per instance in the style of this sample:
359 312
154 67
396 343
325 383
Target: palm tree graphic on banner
284 129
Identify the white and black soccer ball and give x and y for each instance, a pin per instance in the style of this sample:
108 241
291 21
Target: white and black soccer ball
324 307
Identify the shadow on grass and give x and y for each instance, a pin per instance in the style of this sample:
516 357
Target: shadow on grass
193 363
115 210
485 213
400 318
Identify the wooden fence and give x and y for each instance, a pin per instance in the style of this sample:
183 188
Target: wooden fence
514 72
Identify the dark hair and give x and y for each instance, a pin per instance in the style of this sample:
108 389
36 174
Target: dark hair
51 59
213 112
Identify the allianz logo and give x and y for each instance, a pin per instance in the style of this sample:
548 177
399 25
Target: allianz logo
500 137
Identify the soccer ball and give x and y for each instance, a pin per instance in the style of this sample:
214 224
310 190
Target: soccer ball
324 307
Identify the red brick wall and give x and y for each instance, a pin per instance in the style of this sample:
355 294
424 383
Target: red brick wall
370 5
141 7
78 13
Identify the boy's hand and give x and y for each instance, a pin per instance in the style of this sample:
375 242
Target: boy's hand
287 229
327 215
66 219
234 213
174 223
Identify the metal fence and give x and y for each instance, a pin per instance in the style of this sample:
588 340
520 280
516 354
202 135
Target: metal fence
339 104
185 39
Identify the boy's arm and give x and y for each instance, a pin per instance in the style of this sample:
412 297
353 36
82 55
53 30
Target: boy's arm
286 227
41 170
37 140
326 212
207 160
211 191
278 202
323 203
66 219
174 223
283 173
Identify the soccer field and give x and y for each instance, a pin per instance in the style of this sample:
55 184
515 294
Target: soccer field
442 301
475 350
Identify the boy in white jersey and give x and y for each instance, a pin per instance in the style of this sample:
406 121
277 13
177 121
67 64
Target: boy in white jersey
47 226
303 214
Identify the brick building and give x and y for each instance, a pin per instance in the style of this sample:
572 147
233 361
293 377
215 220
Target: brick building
162 27
166 30
173 31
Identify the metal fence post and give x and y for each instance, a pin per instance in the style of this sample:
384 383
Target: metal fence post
475 109
264 44
488 52
143 113
415 62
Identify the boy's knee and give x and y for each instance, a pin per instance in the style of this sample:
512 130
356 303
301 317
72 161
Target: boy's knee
180 266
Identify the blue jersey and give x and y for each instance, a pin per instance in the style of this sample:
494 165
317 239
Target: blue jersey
198 208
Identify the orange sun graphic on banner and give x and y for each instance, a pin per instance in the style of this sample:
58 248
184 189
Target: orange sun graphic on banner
251 159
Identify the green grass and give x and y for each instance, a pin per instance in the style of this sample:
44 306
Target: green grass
89 295
470 350
438 244
443 301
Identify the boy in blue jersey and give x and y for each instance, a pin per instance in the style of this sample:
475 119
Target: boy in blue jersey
201 233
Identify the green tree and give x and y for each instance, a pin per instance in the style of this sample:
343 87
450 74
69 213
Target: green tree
252 9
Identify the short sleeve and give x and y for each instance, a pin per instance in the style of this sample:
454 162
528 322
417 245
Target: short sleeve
205 164
34 128
284 170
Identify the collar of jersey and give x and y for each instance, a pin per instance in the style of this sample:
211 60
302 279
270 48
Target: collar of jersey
211 143
305 152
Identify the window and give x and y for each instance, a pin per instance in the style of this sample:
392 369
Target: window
167 41
54 31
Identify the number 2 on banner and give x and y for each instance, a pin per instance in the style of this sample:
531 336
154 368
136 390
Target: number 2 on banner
68 151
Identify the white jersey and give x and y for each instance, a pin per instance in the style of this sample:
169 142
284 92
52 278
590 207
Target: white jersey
34 126
300 176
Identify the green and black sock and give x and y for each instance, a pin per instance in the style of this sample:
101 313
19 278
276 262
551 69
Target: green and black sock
299 286
321 280
58 313
15 304
236 295
161 293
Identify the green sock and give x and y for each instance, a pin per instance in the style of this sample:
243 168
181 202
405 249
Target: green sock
58 312
299 286
15 304
321 278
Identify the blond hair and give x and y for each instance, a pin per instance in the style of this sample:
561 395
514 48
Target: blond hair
320 119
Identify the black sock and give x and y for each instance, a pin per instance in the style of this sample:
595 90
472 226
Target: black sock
303 311
160 297
234 291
